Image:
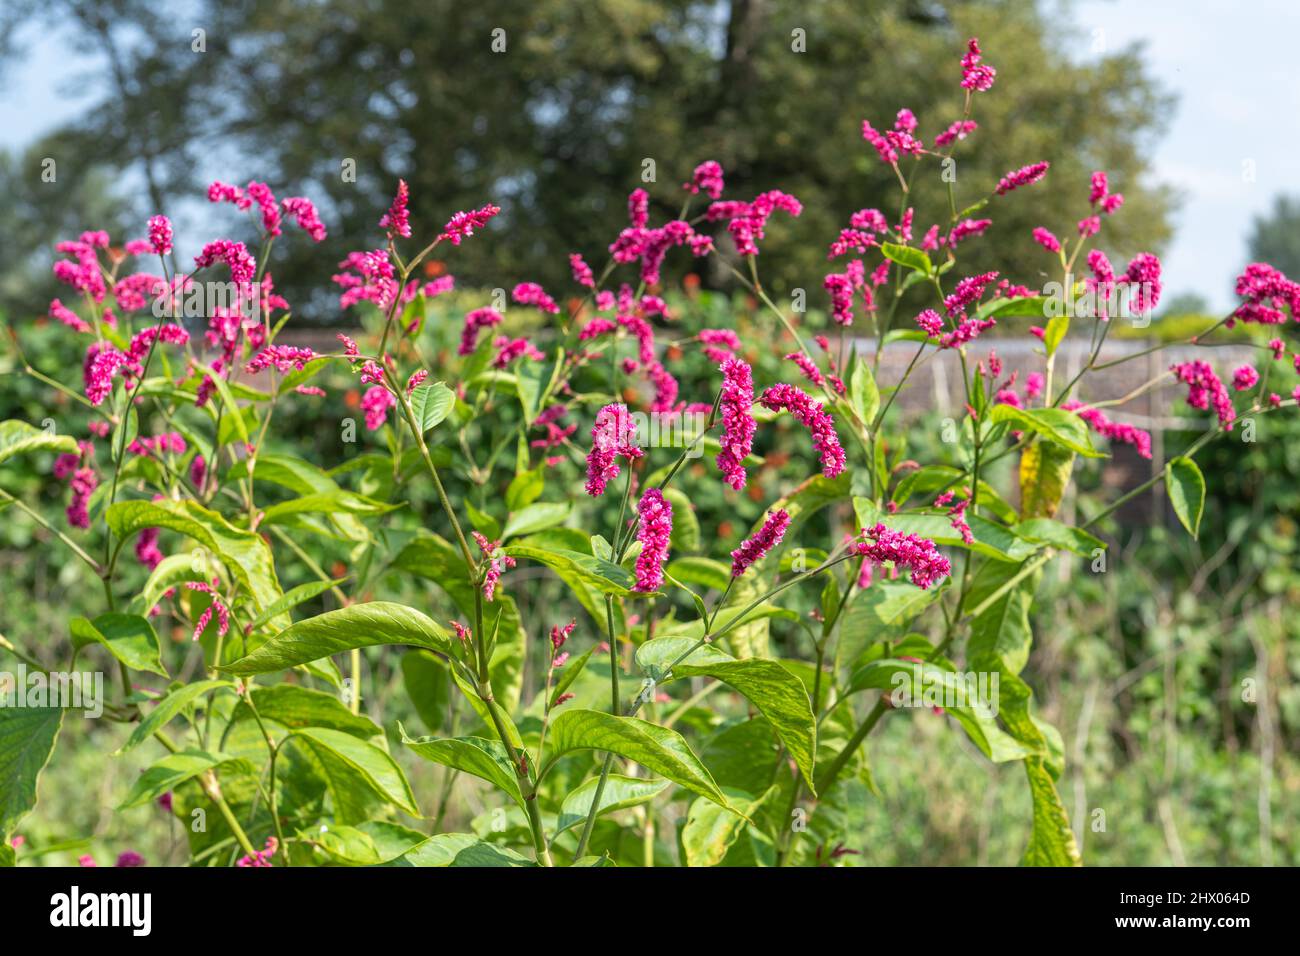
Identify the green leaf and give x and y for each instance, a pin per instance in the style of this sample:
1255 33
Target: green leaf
234 414
1000 640
359 625
171 572
569 673
907 256
536 517
437 560
27 736
167 708
525 488
128 637
174 769
620 793
913 684
863 393
245 555
351 765
441 849
337 501
1022 307
294 707
604 576
710 830
428 685
686 526
656 748
1186 487
932 478
482 758
431 403
1055 424
1051 532
704 572
293 597
17 437
777 694
1055 331
1044 474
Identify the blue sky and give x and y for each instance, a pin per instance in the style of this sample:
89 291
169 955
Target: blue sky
1231 64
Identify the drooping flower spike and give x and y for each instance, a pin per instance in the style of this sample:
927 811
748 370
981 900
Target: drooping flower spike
813 416
764 540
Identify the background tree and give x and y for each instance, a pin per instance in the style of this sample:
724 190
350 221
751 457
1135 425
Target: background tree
557 126
1275 236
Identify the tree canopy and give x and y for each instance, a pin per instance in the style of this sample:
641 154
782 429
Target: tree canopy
555 110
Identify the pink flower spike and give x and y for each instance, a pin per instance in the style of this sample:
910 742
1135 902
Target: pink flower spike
918 554
530 293
738 425
463 224
160 235
1244 377
707 178
398 219
764 540
813 416
655 516
613 434
1024 176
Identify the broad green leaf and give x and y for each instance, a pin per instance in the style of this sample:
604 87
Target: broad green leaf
431 403
294 707
776 693
703 572
710 830
525 488
604 576
246 555
877 613
18 437
863 393
907 256
1021 307
171 572
1052 532
428 685
686 526
351 764
167 708
358 625
486 759
1055 331
176 768
27 736
1000 641
441 849
1044 474
1054 424
536 517
912 684
570 672
656 748
931 479
372 843
293 597
128 637
621 792
1186 487
437 560
335 502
